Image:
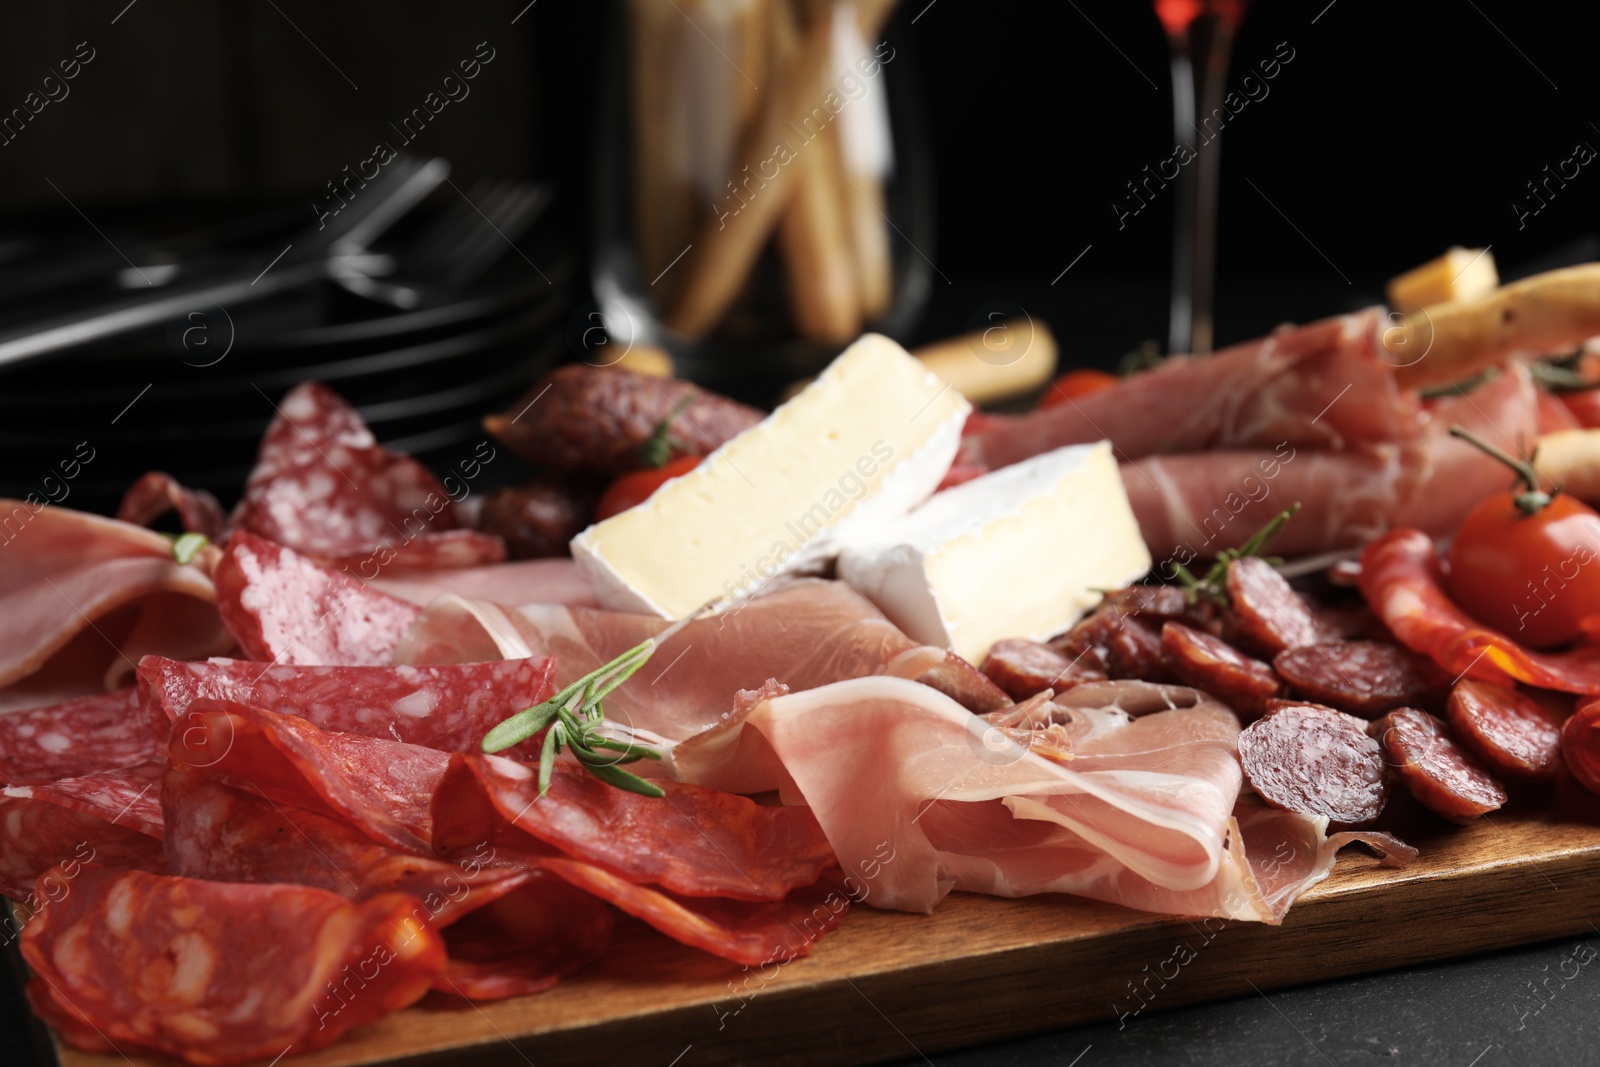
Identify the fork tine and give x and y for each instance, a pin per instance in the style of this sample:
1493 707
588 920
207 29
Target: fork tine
480 204
520 206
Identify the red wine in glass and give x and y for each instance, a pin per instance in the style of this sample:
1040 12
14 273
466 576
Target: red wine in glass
1200 33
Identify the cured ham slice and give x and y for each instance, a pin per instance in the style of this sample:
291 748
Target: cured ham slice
804 633
219 973
93 733
694 841
918 797
1192 506
384 788
284 608
1315 386
1401 581
157 493
448 707
1456 475
527 581
322 485
109 817
94 590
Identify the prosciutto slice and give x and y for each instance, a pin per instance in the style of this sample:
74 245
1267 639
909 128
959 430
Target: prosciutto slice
96 593
527 581
1315 386
919 797
804 633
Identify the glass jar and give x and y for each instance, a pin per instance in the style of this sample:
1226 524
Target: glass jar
764 195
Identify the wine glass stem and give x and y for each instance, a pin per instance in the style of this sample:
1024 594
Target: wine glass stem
1199 72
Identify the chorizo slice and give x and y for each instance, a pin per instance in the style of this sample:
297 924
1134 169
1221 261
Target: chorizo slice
1437 771
1365 678
1265 612
1022 668
1313 760
1505 729
1211 664
1580 745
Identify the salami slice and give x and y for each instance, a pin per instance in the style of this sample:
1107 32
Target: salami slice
283 608
1401 580
1580 745
322 485
754 933
1127 645
223 834
525 942
1511 733
1211 664
1315 761
1438 773
384 788
449 707
1022 668
157 493
37 836
1265 611
693 841
129 961
1365 678
93 733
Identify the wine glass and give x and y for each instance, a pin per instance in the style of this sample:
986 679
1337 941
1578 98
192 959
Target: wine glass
1200 33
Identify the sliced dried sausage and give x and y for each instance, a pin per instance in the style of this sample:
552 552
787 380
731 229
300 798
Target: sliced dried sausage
596 420
538 518
1211 664
1580 745
1022 668
1365 678
1508 731
1436 770
1265 611
1315 761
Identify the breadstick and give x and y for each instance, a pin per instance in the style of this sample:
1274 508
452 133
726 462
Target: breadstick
663 200
864 199
759 190
1571 459
1542 315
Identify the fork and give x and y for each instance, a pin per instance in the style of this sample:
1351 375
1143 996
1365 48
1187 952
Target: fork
454 252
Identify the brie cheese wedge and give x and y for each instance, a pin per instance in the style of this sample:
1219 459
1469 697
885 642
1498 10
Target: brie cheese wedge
867 441
1018 552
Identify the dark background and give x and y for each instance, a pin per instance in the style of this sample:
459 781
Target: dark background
1396 131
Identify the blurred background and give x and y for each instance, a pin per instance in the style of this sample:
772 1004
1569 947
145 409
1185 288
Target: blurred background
1388 133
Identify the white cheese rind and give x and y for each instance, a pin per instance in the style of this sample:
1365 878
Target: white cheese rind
1019 552
871 438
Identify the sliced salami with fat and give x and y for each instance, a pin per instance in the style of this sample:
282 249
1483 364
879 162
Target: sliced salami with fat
322 485
219 973
694 841
448 707
285 608
384 788
93 733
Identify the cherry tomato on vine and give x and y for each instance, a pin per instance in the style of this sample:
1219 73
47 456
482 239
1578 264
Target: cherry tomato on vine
1527 562
1075 384
636 487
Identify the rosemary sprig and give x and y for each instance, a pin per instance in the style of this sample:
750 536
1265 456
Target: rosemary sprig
574 717
1213 585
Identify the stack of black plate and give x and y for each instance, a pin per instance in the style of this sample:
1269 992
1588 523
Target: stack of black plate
194 398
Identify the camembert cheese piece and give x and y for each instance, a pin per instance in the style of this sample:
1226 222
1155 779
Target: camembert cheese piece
867 441
1018 552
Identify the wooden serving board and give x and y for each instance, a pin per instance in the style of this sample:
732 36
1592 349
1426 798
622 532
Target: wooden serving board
890 985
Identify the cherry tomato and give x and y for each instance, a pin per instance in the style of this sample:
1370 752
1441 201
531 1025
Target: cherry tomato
1534 577
1585 406
635 488
1077 383
1580 745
